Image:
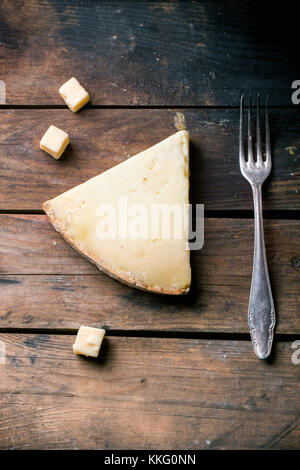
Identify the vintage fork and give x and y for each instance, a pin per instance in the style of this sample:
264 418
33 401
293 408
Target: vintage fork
261 313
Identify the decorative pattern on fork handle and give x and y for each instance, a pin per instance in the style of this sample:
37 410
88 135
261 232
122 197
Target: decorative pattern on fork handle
261 312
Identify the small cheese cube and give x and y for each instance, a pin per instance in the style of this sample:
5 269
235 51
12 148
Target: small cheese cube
88 341
74 95
54 141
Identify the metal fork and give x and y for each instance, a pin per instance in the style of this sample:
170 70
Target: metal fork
261 313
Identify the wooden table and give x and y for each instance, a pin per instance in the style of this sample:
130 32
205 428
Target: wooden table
174 373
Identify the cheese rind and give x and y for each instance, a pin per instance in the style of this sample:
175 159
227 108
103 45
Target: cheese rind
74 95
54 141
159 175
88 341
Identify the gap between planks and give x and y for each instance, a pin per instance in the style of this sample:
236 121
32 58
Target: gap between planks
222 336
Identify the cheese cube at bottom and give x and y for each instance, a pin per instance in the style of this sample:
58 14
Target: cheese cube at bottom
74 95
54 141
88 341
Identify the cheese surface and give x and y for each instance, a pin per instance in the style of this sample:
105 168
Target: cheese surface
54 141
157 177
88 341
74 95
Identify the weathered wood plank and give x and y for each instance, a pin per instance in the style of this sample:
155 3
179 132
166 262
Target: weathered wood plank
102 138
45 283
146 393
141 53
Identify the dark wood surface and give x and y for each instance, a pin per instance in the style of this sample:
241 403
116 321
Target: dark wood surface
174 373
103 138
177 53
59 285
147 393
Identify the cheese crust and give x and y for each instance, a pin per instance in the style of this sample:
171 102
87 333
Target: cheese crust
125 278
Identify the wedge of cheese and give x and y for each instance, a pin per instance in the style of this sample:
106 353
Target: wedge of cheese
146 258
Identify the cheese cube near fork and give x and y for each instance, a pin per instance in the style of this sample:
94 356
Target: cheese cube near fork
261 313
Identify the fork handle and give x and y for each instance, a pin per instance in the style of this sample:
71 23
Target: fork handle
261 313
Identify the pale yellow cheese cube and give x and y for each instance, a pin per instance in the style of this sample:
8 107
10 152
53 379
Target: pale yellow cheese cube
54 142
88 341
74 95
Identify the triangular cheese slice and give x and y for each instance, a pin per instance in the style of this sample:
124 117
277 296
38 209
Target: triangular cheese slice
156 176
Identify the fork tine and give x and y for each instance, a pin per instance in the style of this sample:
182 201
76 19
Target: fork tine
241 146
250 138
259 158
268 139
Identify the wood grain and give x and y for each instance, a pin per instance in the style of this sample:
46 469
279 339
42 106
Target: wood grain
148 53
146 393
46 284
102 138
